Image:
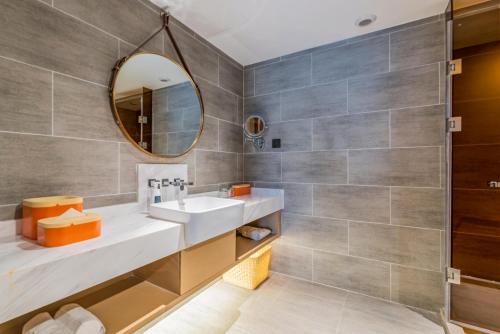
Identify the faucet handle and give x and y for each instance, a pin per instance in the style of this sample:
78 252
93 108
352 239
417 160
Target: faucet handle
151 182
165 182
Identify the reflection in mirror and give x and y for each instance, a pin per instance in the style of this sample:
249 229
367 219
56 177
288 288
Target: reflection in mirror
157 104
255 126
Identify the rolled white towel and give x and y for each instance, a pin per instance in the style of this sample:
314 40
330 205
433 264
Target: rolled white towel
254 233
78 320
43 323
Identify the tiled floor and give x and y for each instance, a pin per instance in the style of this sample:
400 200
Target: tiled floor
288 306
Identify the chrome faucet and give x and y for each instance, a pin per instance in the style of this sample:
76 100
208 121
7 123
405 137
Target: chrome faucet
179 185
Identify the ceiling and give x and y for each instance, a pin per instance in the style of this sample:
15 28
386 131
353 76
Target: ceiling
255 30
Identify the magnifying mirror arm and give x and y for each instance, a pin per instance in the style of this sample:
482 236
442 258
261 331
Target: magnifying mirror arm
257 141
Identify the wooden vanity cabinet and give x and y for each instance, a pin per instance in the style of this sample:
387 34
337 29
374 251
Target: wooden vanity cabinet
194 266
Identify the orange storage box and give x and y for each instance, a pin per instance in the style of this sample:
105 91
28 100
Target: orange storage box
56 231
35 209
241 190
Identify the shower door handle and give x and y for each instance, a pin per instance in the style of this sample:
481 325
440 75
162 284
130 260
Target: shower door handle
494 184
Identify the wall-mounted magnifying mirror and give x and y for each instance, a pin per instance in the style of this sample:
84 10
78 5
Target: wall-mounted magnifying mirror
255 127
157 105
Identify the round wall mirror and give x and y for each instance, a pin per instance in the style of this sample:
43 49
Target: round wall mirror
255 126
157 105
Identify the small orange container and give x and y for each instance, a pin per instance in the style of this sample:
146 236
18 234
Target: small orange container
35 209
53 232
241 190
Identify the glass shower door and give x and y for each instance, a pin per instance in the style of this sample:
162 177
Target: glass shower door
475 171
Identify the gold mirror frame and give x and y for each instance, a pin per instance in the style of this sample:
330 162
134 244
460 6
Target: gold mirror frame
116 71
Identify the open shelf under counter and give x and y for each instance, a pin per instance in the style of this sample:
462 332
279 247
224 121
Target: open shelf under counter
246 247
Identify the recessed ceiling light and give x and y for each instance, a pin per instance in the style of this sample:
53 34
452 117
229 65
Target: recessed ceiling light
164 79
366 20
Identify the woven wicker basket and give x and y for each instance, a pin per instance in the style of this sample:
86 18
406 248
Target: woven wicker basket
252 271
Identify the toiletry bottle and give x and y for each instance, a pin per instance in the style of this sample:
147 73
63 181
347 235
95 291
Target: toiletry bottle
157 192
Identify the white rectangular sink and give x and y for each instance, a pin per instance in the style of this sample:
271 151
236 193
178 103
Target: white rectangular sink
203 217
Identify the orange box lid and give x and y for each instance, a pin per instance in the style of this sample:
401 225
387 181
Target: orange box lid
57 222
245 185
45 202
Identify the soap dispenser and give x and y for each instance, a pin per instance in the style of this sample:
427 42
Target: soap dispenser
157 192
154 192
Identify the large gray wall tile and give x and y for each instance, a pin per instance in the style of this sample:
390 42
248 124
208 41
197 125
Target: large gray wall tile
230 137
418 167
366 57
294 135
230 76
315 167
352 202
318 233
26 98
219 102
419 45
129 20
268 107
249 76
298 198
200 58
316 101
346 272
423 126
38 34
419 288
81 109
263 167
403 245
369 130
408 88
33 166
291 260
286 74
216 167
418 207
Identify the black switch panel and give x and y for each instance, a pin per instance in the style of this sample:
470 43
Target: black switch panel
277 143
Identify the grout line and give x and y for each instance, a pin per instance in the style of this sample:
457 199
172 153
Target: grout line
356 77
254 80
348 238
352 292
390 205
218 71
65 137
218 136
389 51
368 259
341 318
439 81
49 70
348 167
119 167
362 222
52 103
390 281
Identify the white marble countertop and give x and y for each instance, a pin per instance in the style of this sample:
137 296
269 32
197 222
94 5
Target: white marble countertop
32 276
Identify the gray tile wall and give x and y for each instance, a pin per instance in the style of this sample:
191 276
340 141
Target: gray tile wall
362 127
57 133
